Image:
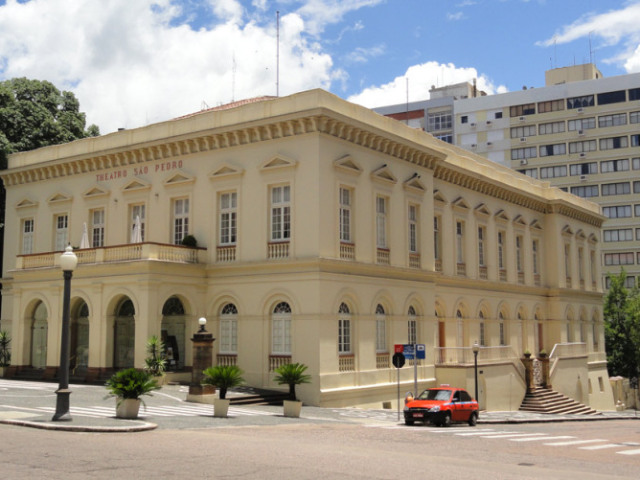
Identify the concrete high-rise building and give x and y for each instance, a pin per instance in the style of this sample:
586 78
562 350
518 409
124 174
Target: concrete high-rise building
580 132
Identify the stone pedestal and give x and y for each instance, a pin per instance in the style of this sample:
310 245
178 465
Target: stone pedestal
528 373
202 359
544 366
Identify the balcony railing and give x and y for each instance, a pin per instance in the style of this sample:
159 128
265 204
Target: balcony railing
414 260
276 361
382 256
117 253
503 275
227 359
464 355
482 272
347 251
347 363
521 277
461 269
226 254
278 250
537 279
382 360
438 265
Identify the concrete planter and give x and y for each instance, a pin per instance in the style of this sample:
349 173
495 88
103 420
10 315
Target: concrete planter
221 407
292 408
127 408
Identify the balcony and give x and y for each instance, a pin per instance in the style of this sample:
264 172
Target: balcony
382 256
382 360
347 363
226 254
461 269
276 361
438 265
482 272
503 275
521 278
278 250
347 251
160 252
414 260
226 359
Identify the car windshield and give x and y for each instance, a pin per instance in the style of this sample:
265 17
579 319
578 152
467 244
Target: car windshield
435 395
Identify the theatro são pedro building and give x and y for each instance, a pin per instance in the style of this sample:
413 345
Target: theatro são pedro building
326 234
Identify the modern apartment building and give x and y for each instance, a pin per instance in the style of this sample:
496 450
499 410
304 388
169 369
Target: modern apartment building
327 234
580 132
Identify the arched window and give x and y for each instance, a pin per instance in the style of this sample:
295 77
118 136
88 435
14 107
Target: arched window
412 329
344 329
126 309
482 336
281 329
381 329
173 306
460 328
229 329
501 327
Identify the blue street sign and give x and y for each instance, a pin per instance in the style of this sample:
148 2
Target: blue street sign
420 351
408 351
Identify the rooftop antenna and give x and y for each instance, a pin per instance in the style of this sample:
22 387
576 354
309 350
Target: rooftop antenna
277 53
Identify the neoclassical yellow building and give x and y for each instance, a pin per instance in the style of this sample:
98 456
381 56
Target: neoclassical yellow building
326 234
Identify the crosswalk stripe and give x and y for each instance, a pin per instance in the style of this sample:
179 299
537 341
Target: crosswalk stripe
574 442
600 447
481 433
513 435
629 452
537 439
452 430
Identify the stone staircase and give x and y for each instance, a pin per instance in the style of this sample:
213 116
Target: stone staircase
256 396
543 400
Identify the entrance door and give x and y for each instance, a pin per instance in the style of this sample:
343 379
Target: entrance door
124 347
442 340
39 331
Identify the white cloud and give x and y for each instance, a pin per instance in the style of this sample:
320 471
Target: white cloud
320 13
421 79
613 27
129 65
455 16
362 55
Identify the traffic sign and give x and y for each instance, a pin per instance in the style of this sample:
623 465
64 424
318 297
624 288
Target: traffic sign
398 360
420 351
408 351
398 348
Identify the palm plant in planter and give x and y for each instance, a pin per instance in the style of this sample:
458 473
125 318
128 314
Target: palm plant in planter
223 377
156 362
5 354
128 386
292 374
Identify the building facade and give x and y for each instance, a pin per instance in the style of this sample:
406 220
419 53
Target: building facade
579 133
326 234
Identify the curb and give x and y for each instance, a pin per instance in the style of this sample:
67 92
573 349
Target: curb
145 426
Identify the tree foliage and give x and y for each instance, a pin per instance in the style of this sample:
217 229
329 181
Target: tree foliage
34 114
622 328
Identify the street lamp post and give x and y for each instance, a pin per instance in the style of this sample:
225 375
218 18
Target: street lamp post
476 349
68 263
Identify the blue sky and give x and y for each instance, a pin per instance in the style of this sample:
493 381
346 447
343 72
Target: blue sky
131 63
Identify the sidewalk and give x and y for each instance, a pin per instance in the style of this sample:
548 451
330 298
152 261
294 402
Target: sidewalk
32 404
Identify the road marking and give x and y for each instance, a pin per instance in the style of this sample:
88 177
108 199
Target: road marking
512 435
481 433
454 429
600 447
537 439
629 452
574 442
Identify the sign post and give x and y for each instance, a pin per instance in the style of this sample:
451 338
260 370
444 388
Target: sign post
398 362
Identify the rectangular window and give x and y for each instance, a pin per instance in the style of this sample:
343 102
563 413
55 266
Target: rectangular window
619 235
614 166
519 265
635 140
588 168
437 242
413 228
27 236
524 131
583 146
460 242
439 121
482 233
636 209
612 97
550 150
625 258
622 188
550 128
501 262
97 228
585 191
180 220
581 263
582 124
529 172
280 213
617 211
634 94
613 143
567 260
580 102
138 211
281 334
535 245
345 215
612 120
61 232
634 117
344 336
523 153
228 334
228 216
550 106
553 172
381 333
381 222
520 110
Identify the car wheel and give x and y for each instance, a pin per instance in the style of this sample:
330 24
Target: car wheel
473 419
409 422
446 421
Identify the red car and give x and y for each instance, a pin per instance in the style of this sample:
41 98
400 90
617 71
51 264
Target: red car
441 406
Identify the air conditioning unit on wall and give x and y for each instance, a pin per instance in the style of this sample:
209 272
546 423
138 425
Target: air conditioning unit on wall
524 161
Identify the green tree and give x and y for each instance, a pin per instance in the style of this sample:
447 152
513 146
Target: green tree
622 328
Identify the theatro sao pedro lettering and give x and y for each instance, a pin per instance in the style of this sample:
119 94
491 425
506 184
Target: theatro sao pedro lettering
141 170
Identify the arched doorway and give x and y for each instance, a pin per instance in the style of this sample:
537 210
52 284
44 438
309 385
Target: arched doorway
39 331
173 332
124 334
79 360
